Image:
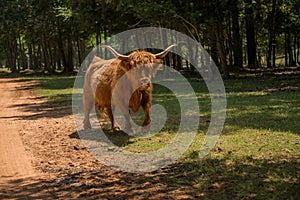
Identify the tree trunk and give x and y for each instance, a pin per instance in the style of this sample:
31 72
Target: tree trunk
285 49
179 62
98 39
52 66
174 61
34 62
221 49
69 65
298 50
11 53
165 44
237 39
187 64
295 49
61 48
271 57
30 55
46 54
213 44
269 53
38 57
22 58
79 50
57 57
229 42
250 34
105 39
290 50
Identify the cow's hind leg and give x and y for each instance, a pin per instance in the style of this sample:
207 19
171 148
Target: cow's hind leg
114 124
101 113
88 104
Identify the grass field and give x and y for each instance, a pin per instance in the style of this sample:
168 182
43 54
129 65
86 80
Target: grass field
258 153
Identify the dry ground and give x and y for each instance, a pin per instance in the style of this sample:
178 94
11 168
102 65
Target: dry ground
42 157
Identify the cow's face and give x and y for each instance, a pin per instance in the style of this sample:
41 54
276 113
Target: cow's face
140 67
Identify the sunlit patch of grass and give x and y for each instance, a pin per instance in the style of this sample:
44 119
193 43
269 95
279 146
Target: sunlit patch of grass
148 144
259 144
57 89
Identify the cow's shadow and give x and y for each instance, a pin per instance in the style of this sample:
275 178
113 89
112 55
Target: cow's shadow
118 138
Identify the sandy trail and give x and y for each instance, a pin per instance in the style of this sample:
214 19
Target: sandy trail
15 163
16 170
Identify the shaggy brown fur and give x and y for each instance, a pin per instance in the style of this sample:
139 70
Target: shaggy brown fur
101 83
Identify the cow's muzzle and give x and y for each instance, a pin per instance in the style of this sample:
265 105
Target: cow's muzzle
145 83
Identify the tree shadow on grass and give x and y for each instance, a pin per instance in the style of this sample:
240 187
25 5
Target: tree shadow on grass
270 103
228 177
245 178
277 111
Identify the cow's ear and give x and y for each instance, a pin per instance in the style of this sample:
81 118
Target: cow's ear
125 65
155 68
96 59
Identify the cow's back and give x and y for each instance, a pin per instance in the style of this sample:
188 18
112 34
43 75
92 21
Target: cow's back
97 67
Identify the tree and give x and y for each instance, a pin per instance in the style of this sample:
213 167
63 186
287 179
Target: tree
271 56
51 35
289 11
250 34
237 39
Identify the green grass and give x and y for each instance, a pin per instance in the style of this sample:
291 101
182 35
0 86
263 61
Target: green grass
60 90
57 89
257 155
5 73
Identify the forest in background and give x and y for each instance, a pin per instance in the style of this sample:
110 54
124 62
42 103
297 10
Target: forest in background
57 35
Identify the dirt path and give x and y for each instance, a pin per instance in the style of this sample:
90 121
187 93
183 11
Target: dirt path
41 156
15 163
16 170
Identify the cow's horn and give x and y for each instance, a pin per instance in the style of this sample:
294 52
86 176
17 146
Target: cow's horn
114 52
165 52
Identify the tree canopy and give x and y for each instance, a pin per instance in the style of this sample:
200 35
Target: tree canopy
56 35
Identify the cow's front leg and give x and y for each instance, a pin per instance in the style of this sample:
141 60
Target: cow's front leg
146 104
147 121
128 127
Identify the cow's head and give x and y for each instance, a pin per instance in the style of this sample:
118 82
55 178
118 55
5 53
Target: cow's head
140 65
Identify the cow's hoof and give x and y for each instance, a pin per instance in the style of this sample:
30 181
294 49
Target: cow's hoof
87 126
117 128
129 131
146 129
102 123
